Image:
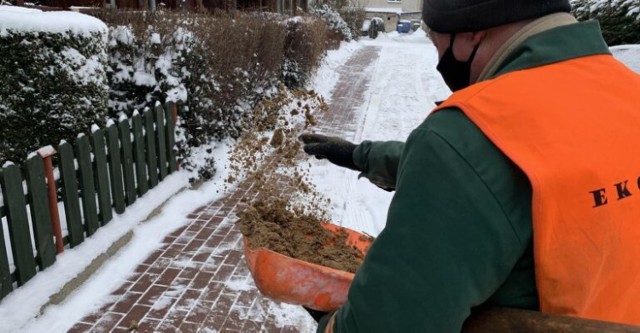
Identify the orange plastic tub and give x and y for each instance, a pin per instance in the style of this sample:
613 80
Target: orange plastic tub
294 281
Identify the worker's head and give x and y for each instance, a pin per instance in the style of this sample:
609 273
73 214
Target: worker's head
466 24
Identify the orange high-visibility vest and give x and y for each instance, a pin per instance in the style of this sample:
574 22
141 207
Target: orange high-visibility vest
574 128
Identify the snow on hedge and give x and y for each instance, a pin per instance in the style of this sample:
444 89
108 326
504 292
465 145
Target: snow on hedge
22 19
54 64
333 19
593 6
633 6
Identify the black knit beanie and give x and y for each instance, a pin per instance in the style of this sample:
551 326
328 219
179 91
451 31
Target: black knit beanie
448 16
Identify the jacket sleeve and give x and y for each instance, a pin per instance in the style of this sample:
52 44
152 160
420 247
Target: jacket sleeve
457 226
378 161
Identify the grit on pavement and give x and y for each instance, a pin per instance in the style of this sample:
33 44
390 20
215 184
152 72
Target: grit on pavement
198 280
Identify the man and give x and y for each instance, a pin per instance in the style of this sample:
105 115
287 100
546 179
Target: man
521 190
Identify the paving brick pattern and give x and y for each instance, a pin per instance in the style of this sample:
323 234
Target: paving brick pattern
348 94
190 284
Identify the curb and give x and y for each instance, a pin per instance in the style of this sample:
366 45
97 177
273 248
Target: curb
99 261
95 264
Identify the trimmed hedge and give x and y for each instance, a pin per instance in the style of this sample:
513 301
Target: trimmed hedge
54 87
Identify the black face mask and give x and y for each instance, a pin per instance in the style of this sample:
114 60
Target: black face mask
456 74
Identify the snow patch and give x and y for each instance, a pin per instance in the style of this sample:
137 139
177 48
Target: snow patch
46 151
628 54
23 20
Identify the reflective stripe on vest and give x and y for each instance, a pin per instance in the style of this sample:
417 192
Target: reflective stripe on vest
574 128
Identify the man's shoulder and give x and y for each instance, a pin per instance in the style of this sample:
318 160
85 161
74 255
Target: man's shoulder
508 183
454 127
472 146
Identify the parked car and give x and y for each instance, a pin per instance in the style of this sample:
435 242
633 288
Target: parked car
404 26
366 24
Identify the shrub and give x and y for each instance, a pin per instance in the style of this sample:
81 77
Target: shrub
234 64
304 47
354 17
217 66
143 64
54 81
619 19
334 20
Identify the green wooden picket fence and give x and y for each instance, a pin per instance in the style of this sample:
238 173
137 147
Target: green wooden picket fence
102 172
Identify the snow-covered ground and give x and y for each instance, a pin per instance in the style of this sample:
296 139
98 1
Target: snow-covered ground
628 54
402 92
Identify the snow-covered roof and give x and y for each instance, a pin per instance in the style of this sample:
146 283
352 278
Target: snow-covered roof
28 20
383 10
628 54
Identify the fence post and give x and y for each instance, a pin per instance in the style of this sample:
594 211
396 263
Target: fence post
46 153
174 118
18 223
70 197
161 140
40 212
171 115
126 158
115 168
102 175
87 185
6 285
150 140
138 154
174 113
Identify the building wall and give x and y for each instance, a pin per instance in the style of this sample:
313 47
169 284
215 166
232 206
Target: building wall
393 11
390 20
405 5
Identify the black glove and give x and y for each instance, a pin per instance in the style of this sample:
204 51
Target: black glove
336 150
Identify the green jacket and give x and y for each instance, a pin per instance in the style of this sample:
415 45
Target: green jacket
458 232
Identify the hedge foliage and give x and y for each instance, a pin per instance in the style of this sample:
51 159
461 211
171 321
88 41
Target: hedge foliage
219 67
53 87
354 17
619 19
216 66
334 20
343 22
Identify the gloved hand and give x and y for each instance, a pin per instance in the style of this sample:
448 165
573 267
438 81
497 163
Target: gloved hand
336 150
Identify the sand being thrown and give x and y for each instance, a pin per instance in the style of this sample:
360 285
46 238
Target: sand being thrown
284 211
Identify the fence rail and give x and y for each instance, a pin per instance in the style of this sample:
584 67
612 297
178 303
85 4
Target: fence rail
100 173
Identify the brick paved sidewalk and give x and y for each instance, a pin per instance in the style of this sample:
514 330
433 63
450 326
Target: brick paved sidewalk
197 281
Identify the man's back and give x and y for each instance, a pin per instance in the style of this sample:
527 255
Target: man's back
572 144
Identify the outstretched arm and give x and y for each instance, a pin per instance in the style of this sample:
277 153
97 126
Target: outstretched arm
377 161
